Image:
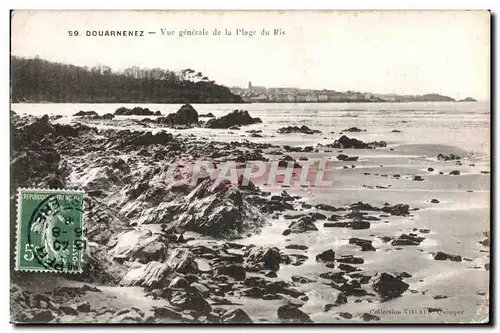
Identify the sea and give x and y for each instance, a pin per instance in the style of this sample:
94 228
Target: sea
465 125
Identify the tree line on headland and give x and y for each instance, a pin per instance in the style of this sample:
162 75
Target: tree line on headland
37 80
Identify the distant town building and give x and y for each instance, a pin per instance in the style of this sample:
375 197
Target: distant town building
249 85
322 98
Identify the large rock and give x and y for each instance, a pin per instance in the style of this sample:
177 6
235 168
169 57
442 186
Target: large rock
353 129
291 313
152 275
85 113
365 244
342 157
295 129
345 142
236 316
449 157
236 271
446 256
191 299
148 138
258 287
304 224
405 239
235 118
137 111
398 210
139 244
260 258
326 256
182 261
206 115
186 115
219 210
388 286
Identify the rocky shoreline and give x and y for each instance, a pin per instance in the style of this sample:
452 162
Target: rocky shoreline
180 242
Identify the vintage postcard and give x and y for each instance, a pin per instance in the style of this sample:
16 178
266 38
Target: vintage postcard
229 167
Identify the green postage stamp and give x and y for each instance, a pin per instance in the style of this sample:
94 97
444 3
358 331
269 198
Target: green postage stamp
50 230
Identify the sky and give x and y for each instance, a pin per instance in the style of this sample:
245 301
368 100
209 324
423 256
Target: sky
403 52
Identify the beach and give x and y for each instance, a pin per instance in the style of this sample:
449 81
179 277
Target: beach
397 237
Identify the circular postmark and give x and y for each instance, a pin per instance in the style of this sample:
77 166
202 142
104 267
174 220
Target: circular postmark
55 233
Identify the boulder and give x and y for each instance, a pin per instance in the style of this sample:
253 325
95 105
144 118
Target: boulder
85 113
218 209
236 316
108 116
388 286
345 142
347 268
186 115
296 247
137 111
182 261
178 282
260 258
139 244
303 224
337 277
353 129
291 313
190 299
405 239
148 138
295 129
166 312
235 118
398 210
342 157
206 115
286 160
365 244
350 259
152 275
301 279
455 173
448 157
445 256
236 271
326 256
369 317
